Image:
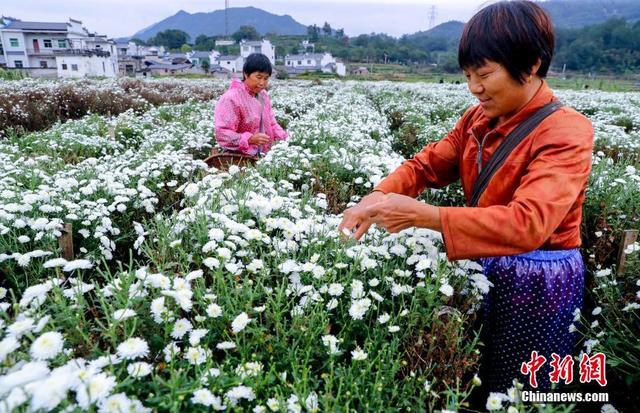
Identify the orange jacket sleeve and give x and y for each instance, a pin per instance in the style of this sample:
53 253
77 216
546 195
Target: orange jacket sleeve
554 181
436 166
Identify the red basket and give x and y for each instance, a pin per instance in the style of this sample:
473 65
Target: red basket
223 160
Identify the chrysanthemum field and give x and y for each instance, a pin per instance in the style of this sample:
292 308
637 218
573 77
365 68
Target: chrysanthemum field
192 289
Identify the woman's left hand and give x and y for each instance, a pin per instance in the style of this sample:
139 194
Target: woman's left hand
396 212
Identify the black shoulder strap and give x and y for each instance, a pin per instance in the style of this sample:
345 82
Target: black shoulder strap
506 147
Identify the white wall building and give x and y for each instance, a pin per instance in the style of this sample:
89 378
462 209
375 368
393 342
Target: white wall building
35 46
310 62
263 46
232 64
85 63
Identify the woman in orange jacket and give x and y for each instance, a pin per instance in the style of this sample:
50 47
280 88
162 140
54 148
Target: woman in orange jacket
524 161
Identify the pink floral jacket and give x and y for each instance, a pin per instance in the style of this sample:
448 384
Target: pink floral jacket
237 118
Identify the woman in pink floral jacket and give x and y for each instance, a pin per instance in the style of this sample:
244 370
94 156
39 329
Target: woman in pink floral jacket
244 118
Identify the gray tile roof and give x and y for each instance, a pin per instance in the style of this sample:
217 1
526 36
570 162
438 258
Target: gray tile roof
169 67
38 26
200 54
228 57
316 56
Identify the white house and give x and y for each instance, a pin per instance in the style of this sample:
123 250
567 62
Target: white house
232 64
310 62
263 46
197 57
82 63
224 42
36 46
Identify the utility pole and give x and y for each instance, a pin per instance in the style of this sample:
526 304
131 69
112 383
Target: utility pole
432 17
226 18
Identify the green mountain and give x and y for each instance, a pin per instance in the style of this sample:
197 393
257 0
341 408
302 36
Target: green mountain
213 23
565 14
580 13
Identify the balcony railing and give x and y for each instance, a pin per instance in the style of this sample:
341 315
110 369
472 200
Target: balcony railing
82 52
68 52
41 52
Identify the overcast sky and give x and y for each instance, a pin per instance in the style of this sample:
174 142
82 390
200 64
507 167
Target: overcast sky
118 18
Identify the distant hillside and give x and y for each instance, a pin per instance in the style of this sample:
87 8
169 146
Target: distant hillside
580 13
213 23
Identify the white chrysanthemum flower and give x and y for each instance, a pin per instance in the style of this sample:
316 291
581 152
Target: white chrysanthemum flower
56 262
117 403
273 404
196 335
331 342
180 328
214 310
139 369
8 346
335 289
394 329
446 289
359 308
358 354
123 314
157 309
211 263
494 401
357 289
170 351
206 398
216 234
311 402
608 408
47 346
195 355
133 348
190 190
225 345
238 393
20 327
94 389
382 319
224 253
240 322
77 265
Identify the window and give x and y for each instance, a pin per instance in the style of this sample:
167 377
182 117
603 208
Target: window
43 64
308 62
64 66
74 68
299 62
62 44
98 47
14 42
18 64
47 43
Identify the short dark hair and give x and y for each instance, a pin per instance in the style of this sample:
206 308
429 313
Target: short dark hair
257 62
514 34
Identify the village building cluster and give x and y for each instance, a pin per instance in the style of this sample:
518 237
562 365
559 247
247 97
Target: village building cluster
69 50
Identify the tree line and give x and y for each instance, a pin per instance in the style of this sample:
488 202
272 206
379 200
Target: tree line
611 47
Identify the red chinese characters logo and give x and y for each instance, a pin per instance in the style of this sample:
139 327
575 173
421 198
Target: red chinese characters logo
591 368
532 368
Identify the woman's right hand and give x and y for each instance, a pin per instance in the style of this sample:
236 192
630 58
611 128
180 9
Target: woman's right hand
259 139
356 220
